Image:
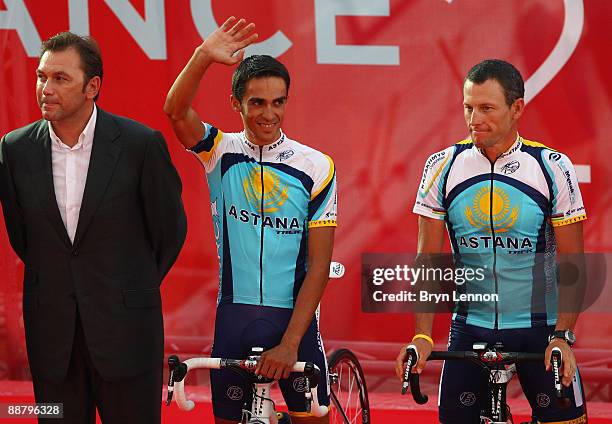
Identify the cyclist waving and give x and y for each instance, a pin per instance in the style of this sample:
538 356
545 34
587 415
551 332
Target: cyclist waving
273 203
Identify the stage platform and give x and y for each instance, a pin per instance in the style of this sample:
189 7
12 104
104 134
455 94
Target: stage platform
386 407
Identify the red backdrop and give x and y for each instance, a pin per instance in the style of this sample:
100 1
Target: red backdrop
376 85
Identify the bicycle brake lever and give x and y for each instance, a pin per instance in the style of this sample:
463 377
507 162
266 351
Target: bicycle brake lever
556 361
173 361
412 357
556 358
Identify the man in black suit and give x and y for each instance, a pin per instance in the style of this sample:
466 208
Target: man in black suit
92 205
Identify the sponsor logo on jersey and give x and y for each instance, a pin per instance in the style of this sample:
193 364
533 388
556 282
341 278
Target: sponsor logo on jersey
512 150
284 155
426 181
554 156
497 205
568 181
475 242
283 224
216 226
510 167
271 196
278 143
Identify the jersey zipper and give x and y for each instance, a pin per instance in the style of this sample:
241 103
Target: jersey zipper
493 241
261 169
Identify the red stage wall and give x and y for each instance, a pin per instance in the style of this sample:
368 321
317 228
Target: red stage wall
376 85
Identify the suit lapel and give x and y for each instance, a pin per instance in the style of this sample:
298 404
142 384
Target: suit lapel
42 174
104 154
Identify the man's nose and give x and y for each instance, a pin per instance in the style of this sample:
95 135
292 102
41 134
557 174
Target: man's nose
47 88
475 118
268 112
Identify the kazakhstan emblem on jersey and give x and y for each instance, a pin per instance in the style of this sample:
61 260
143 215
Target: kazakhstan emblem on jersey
275 193
480 213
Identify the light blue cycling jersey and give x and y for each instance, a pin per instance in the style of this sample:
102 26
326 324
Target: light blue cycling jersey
262 240
499 218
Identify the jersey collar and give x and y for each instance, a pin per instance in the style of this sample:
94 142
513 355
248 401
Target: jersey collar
267 147
516 146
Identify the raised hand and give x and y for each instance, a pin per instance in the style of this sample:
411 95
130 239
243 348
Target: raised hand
227 43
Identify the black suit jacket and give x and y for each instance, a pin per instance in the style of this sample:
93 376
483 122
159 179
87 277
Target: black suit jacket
131 228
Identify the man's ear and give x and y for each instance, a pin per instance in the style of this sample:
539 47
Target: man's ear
92 88
235 103
518 108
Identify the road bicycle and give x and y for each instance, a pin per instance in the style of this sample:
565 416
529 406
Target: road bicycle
259 407
501 367
348 390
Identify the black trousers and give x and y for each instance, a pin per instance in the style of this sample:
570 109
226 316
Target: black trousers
132 401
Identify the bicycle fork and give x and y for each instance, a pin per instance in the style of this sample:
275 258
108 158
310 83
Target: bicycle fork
497 410
261 411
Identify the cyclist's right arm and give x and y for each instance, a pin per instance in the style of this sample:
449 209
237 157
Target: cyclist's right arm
225 45
430 241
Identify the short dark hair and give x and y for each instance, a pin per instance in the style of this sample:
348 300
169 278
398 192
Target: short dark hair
504 73
257 66
86 47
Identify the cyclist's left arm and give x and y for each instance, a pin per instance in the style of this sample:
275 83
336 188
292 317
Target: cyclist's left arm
567 216
570 249
322 210
277 362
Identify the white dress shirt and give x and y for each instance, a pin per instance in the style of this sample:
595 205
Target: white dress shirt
70 165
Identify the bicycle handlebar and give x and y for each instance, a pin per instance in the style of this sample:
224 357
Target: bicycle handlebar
489 358
178 371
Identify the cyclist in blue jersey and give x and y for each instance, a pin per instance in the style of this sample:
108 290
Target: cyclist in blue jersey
273 203
508 204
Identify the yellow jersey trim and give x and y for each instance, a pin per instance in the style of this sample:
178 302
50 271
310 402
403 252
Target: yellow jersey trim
330 175
559 222
323 223
205 156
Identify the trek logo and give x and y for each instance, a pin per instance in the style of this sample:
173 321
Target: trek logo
278 223
510 167
284 155
488 242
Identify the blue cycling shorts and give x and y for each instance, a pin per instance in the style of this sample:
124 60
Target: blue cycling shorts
464 385
238 328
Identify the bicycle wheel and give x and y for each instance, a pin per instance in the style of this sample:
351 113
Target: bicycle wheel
349 394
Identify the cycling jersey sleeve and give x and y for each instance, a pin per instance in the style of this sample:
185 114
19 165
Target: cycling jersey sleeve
323 202
207 150
429 199
567 205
